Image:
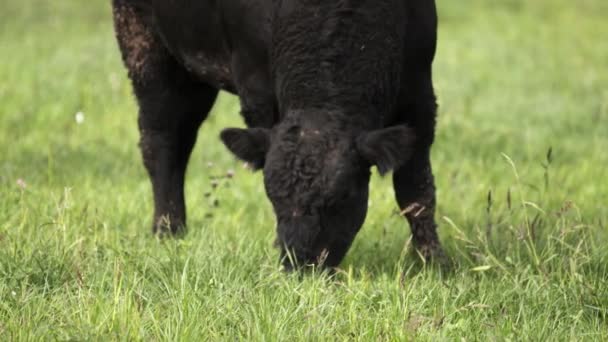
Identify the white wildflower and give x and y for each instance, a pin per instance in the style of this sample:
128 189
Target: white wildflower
21 183
79 118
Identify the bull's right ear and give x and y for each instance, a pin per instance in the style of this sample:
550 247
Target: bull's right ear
249 145
387 148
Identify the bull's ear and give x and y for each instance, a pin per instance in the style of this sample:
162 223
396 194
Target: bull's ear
387 148
249 145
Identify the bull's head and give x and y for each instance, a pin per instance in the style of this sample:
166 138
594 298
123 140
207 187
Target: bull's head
317 177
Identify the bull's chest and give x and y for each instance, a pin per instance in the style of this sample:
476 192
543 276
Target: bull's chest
210 68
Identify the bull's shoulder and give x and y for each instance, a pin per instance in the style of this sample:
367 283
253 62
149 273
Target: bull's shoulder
135 35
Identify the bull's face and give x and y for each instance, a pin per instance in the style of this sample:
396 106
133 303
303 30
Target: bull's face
317 180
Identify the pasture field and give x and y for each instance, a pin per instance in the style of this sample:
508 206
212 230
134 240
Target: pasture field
520 162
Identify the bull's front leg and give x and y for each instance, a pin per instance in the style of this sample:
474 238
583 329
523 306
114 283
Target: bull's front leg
172 105
168 124
413 182
415 192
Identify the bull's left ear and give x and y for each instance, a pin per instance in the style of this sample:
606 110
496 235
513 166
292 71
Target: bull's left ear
249 145
387 148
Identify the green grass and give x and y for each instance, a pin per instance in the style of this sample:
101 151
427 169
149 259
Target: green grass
515 79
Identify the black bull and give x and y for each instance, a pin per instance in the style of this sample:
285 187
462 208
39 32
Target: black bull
328 89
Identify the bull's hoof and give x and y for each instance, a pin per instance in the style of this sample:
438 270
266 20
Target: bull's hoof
433 253
165 228
309 265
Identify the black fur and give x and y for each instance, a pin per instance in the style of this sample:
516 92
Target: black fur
328 89
387 148
248 144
